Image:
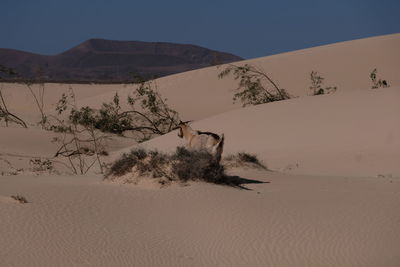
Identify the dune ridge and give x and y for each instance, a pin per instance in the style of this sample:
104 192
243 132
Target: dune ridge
329 198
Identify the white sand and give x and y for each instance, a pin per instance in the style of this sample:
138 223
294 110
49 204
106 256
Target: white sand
351 133
332 198
290 221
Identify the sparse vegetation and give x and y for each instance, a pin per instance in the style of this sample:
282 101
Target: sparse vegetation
79 140
377 83
149 114
150 111
195 165
112 119
182 166
255 86
5 114
244 159
20 199
82 135
38 95
7 168
316 85
127 162
41 165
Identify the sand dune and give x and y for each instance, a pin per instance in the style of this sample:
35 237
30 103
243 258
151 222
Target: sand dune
346 65
330 197
289 221
350 133
199 94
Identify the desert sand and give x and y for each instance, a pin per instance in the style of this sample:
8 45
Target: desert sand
330 197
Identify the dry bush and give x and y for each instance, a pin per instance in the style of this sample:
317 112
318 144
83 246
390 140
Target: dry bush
127 162
181 166
20 199
191 165
79 141
377 83
316 85
244 159
38 95
5 114
41 165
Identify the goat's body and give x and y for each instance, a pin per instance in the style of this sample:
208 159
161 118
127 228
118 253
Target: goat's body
202 141
198 140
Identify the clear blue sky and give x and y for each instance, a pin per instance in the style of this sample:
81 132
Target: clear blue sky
247 28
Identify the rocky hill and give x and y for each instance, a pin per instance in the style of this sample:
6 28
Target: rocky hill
112 61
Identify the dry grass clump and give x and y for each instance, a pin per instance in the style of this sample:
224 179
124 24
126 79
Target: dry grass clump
243 159
196 165
20 199
183 165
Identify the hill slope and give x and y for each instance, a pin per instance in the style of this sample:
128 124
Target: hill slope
199 94
351 133
106 60
285 219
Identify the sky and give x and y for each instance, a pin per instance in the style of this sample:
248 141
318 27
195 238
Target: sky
247 28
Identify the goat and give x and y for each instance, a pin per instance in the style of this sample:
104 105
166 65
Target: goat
198 140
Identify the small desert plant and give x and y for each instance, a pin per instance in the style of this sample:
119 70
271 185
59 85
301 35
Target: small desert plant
150 111
316 85
20 199
148 115
183 165
243 159
41 165
8 168
112 119
38 95
79 140
377 83
5 114
127 162
196 165
255 86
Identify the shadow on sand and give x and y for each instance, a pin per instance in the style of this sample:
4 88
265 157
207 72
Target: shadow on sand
238 182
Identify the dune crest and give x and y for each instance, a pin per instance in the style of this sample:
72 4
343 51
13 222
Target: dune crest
330 196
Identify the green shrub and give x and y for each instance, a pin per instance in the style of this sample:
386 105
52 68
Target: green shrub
255 86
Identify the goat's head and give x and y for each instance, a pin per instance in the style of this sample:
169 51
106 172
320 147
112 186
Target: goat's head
182 125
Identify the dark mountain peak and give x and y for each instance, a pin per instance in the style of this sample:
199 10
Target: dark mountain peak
139 47
109 60
86 46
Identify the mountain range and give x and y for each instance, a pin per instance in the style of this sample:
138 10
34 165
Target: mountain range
99 60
